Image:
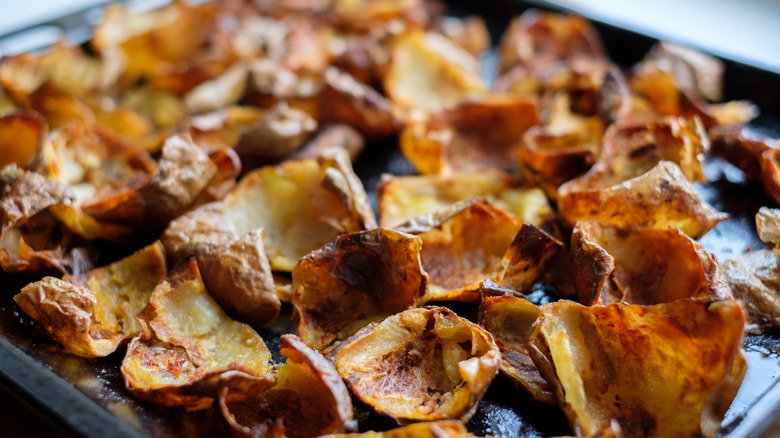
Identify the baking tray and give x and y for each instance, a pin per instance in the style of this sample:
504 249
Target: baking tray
86 397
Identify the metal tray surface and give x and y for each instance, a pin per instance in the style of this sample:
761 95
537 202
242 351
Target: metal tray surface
86 397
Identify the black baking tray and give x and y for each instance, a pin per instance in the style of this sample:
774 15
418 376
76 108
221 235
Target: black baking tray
76 397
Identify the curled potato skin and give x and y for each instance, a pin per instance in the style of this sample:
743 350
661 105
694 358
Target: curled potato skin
189 349
309 399
509 319
618 263
664 370
422 364
92 314
356 279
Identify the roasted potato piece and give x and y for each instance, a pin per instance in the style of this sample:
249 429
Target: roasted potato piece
537 40
754 154
663 370
163 108
472 241
345 100
309 399
402 198
234 239
677 79
754 278
768 226
470 33
356 279
92 314
189 349
564 148
183 171
65 68
213 94
31 241
366 15
21 134
429 72
422 364
661 198
223 128
331 135
152 41
509 318
433 429
301 205
469 137
624 263
280 132
629 151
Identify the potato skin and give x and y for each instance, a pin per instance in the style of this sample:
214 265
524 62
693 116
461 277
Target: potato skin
664 370
309 399
509 318
637 265
189 349
356 279
423 364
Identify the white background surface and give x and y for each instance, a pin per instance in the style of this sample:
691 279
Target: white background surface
745 30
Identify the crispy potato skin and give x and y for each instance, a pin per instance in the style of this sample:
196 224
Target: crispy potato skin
183 171
428 72
32 243
663 370
432 429
309 399
509 318
463 247
422 364
21 134
235 266
356 279
471 241
754 277
92 314
402 198
189 349
469 137
660 198
635 265
551 37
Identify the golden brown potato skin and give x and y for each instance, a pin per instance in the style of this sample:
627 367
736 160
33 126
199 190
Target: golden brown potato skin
183 171
92 314
21 134
620 263
661 198
189 349
31 243
509 318
422 364
356 279
433 429
663 370
309 399
236 269
402 198
754 277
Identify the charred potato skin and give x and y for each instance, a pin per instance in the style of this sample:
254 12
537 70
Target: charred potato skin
509 318
664 265
358 278
398 390
288 405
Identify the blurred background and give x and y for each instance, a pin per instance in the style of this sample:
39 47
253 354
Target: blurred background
745 31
